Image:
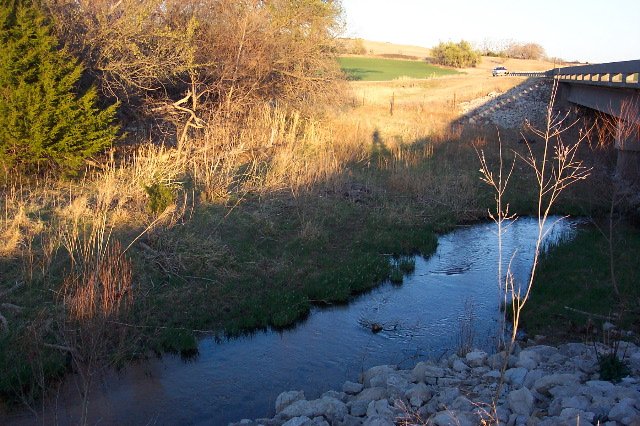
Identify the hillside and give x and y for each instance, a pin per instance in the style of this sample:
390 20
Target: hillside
387 49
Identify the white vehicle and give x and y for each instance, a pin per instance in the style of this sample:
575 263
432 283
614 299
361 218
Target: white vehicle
498 71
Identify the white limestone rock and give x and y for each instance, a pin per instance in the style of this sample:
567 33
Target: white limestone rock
358 408
521 401
418 394
378 374
451 418
543 384
625 412
298 421
528 359
331 408
378 421
380 408
352 388
459 366
476 358
287 398
371 394
516 376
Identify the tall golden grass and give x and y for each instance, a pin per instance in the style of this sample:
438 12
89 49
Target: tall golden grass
271 149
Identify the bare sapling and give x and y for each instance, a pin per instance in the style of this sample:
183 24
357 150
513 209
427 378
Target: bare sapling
499 182
555 169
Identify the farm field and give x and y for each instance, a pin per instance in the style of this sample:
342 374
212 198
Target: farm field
378 69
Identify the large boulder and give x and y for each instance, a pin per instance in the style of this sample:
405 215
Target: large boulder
358 408
332 409
352 388
397 385
371 394
287 398
459 366
543 384
476 358
521 402
378 421
515 376
625 412
298 421
380 408
528 359
453 418
418 394
378 374
578 402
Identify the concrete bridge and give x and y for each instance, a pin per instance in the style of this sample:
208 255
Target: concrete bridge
612 88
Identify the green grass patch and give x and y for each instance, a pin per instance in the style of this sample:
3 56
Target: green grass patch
278 261
576 274
377 69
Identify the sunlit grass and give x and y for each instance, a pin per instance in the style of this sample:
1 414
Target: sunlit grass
379 69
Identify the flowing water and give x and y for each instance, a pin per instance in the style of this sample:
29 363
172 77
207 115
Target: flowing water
451 297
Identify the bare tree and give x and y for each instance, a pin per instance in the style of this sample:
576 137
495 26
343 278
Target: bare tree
183 60
525 51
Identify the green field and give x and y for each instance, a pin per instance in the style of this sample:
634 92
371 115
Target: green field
378 69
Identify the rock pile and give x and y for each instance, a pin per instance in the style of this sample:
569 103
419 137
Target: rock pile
511 110
543 385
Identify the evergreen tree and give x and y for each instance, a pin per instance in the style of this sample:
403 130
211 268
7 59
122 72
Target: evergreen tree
44 124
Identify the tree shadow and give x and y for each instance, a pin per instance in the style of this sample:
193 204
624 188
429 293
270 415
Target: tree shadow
358 74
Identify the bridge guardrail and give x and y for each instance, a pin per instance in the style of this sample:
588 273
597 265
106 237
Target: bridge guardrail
612 74
529 73
625 74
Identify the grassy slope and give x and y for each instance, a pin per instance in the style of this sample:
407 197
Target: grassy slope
377 69
577 274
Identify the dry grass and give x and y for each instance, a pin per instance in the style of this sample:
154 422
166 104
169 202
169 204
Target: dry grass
271 151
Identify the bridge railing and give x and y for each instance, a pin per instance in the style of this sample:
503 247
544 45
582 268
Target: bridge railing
613 74
529 73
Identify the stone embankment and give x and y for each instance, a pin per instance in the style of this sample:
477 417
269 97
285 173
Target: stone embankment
525 103
543 385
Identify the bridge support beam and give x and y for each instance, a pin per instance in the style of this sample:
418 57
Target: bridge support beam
628 146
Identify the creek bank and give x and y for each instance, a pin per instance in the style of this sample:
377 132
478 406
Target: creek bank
543 386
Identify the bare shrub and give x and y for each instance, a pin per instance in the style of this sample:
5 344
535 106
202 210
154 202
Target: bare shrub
182 60
555 168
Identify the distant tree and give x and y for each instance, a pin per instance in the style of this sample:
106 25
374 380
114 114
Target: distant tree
495 48
358 47
525 51
457 55
44 123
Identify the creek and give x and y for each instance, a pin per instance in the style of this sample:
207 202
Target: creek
450 299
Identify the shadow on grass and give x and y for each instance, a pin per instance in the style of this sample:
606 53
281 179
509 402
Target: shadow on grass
358 74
